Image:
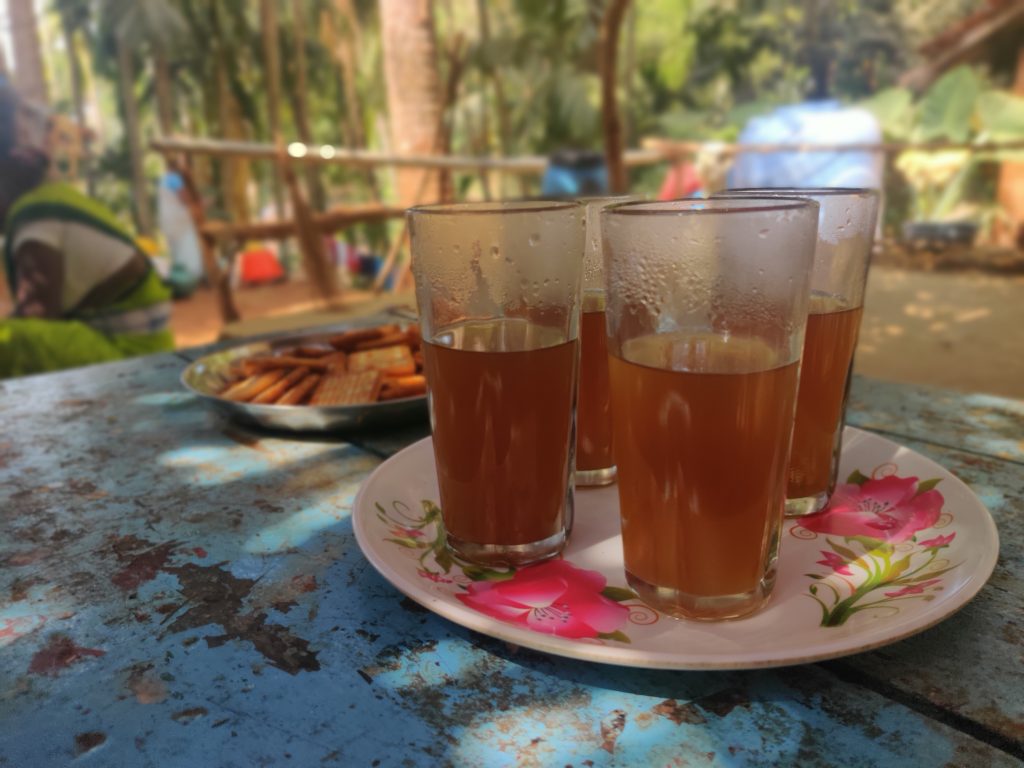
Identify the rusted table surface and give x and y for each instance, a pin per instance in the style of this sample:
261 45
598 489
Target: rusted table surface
175 590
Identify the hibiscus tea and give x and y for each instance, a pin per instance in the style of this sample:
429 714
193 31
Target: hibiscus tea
829 343
595 464
502 400
702 426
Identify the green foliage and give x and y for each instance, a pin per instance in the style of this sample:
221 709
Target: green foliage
893 108
959 107
1001 115
947 108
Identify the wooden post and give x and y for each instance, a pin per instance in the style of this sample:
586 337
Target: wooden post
610 120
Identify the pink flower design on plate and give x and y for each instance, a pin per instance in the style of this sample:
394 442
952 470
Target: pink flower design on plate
938 542
887 509
836 563
554 598
408 533
913 589
437 578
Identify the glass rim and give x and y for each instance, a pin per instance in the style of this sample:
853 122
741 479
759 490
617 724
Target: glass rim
489 208
774 192
623 198
692 206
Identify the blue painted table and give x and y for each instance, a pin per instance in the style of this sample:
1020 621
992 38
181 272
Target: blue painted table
175 590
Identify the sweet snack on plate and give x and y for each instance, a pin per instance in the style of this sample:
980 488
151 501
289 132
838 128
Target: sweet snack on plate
338 388
395 360
363 365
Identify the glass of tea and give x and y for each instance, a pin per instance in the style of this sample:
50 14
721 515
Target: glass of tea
595 462
707 302
498 290
846 229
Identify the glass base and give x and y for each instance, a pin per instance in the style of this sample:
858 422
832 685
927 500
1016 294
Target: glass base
508 555
808 505
595 477
685 606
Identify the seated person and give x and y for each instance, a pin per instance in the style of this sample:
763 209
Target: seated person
84 291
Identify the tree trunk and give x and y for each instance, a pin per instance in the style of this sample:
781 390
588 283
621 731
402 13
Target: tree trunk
610 120
345 48
164 93
78 101
126 77
272 68
300 105
414 92
29 76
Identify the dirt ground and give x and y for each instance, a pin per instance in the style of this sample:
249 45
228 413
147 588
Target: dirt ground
960 330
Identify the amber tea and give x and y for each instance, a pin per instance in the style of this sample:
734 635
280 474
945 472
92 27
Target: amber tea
702 436
501 400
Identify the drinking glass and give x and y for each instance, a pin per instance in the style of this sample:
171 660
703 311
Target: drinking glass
707 301
595 462
498 290
846 228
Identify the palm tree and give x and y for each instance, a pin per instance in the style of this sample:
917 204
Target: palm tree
137 24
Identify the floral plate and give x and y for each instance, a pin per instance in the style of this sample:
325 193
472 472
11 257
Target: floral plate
903 545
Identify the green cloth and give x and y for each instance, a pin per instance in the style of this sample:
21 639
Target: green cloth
29 345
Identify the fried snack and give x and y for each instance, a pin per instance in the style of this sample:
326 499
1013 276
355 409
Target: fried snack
251 366
311 351
348 339
417 358
297 394
287 361
347 388
276 390
388 340
403 386
248 388
391 361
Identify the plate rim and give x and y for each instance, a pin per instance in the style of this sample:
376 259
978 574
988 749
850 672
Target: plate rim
595 653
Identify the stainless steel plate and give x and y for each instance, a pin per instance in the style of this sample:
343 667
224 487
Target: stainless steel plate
206 377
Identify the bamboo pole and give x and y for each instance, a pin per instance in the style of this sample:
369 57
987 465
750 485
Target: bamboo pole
669 148
654 151
327 153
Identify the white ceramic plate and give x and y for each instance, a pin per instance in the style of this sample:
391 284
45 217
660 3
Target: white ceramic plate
904 545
